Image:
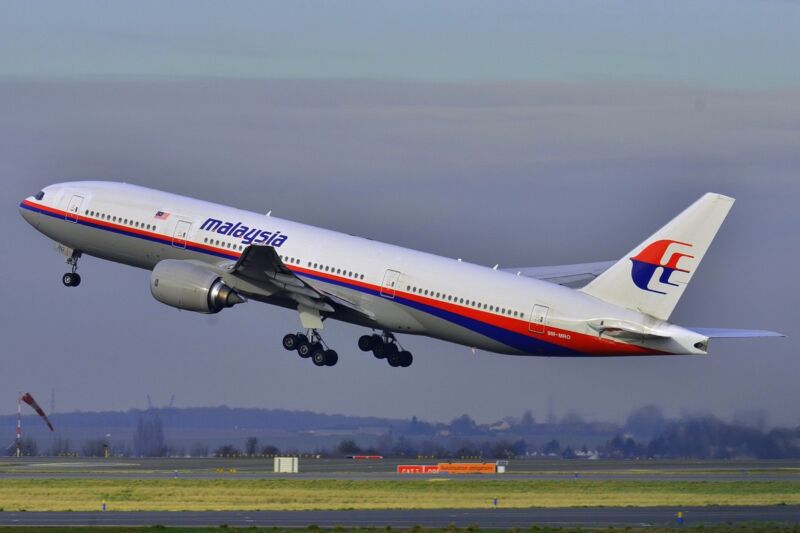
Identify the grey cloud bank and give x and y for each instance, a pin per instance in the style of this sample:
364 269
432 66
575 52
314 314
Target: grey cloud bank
515 173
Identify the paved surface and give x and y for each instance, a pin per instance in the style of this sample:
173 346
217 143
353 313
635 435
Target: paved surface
261 468
484 518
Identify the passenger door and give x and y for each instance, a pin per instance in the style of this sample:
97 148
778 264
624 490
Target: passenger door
181 233
538 319
74 208
389 285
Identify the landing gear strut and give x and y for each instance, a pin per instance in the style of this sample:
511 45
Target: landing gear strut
311 346
72 278
386 347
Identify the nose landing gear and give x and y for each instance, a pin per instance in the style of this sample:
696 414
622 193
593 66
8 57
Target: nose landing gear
311 346
386 347
72 278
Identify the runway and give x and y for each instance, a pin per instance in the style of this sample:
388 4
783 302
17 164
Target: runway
385 469
483 518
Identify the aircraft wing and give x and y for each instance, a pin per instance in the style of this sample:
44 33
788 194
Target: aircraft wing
576 275
263 264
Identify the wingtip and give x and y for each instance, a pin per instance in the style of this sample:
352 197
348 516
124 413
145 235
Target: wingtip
719 196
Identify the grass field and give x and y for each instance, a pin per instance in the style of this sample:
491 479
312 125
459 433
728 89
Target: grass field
285 494
720 528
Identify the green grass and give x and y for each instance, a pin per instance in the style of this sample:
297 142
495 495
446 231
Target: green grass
289 494
722 528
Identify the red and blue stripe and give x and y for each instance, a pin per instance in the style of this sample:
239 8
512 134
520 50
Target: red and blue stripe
512 332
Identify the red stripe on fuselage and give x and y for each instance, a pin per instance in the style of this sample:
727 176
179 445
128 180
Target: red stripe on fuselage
578 342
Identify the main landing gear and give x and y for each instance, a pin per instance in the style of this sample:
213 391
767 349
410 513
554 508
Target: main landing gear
72 278
311 346
386 347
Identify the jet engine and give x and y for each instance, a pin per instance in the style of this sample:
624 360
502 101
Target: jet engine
192 287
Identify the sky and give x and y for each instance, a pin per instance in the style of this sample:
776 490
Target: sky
500 132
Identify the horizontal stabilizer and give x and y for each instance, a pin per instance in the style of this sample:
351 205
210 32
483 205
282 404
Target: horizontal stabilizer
574 276
721 333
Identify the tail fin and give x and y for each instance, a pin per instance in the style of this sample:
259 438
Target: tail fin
652 277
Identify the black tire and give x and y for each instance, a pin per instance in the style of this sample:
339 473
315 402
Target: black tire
66 279
406 359
301 337
318 357
290 342
365 343
377 340
331 358
379 350
304 350
76 279
393 359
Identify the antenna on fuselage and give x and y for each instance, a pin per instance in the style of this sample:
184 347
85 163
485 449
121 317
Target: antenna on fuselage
269 212
495 267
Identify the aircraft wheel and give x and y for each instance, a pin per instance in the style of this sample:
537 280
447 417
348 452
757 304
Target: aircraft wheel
304 350
379 350
393 359
318 357
290 342
406 359
71 279
331 358
365 343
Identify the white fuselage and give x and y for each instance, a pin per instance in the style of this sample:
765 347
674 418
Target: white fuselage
405 291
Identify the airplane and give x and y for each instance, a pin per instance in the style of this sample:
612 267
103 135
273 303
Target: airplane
207 257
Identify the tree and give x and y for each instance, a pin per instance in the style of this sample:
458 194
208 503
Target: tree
404 448
503 450
269 449
251 445
148 440
348 447
552 447
646 422
227 450
58 447
527 423
198 449
463 425
94 448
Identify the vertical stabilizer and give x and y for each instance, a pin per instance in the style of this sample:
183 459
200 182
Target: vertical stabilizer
652 277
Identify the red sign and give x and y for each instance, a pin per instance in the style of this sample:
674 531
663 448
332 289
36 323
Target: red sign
417 469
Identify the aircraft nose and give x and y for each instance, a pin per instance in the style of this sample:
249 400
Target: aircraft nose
26 213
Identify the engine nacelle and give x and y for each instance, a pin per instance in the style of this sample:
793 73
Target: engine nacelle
191 287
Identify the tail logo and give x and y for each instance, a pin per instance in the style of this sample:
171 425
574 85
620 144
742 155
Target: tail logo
651 258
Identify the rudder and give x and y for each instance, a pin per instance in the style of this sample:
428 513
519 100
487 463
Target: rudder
652 277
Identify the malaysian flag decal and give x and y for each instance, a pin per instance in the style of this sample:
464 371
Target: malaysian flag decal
161 215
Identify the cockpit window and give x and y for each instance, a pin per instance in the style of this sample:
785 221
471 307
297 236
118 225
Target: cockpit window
39 195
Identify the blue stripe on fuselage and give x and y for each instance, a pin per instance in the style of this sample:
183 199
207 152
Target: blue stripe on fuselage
512 339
